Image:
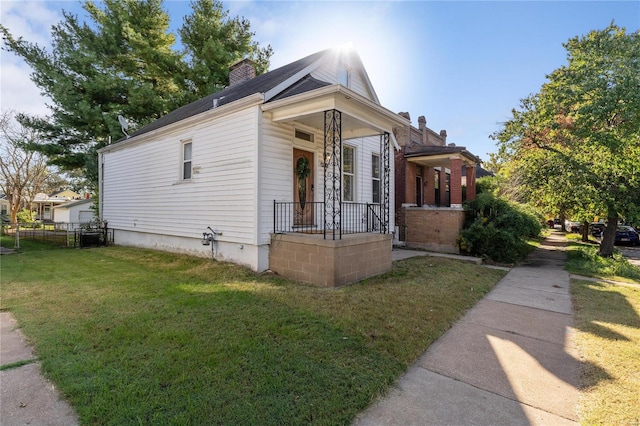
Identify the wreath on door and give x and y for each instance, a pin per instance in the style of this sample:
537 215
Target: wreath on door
303 170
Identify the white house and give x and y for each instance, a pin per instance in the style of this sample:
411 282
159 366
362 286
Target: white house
289 171
5 205
77 212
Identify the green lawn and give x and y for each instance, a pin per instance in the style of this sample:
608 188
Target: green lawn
139 336
607 320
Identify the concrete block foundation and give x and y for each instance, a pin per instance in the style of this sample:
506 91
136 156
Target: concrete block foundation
330 263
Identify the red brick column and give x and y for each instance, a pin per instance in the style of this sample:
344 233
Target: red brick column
410 185
471 182
430 192
443 186
456 181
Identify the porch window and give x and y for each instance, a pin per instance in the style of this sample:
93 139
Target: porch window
348 173
186 160
375 177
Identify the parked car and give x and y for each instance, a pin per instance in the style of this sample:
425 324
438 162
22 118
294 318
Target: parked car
572 226
627 235
597 228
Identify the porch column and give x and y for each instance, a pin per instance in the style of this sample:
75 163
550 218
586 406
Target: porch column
430 179
443 186
333 173
386 181
471 182
456 182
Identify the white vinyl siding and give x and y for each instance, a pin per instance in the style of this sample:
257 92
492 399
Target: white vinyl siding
145 196
356 81
277 178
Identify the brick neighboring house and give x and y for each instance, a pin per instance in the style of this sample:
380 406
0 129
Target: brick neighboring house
429 187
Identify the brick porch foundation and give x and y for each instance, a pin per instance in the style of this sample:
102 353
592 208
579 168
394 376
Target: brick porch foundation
330 263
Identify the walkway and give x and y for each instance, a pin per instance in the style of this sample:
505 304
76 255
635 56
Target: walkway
26 397
510 361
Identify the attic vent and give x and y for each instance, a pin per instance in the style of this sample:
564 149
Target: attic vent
304 136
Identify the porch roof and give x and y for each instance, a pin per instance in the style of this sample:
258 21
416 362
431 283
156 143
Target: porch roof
434 156
360 116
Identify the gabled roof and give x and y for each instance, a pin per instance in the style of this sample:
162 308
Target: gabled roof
260 84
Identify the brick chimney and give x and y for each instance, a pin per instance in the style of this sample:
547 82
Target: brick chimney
422 125
241 72
422 122
443 136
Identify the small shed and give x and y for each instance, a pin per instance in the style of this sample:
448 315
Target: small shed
79 211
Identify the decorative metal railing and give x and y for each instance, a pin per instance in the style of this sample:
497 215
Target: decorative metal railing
313 218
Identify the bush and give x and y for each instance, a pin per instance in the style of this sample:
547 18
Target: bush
26 216
496 229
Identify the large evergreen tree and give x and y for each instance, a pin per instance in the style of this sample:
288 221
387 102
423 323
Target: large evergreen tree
123 60
576 144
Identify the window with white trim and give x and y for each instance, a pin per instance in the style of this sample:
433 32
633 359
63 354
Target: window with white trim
187 153
348 173
375 177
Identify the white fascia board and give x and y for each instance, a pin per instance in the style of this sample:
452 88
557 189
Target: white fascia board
290 81
338 89
221 111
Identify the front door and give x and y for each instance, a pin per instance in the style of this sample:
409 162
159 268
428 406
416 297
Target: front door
303 188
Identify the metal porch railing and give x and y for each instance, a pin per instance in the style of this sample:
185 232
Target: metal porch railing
314 218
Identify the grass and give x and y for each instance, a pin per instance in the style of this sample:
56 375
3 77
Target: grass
583 259
607 318
139 336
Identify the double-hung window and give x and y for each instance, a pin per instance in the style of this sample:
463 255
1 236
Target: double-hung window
187 147
375 177
348 173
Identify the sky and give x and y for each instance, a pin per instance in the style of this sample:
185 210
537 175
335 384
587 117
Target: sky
464 65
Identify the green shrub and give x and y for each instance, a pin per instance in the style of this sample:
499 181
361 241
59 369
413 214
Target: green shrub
26 216
496 229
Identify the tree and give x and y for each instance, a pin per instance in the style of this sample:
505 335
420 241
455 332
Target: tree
124 61
211 39
577 142
23 173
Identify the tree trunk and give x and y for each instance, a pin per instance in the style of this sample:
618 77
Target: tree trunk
609 235
14 207
585 232
563 219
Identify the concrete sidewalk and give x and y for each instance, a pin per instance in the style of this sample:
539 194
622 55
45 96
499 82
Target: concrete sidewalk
510 361
26 397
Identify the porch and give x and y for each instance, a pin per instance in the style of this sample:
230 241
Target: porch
432 215
329 233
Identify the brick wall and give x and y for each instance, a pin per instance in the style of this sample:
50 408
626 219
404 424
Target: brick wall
330 263
433 229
